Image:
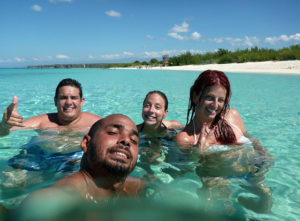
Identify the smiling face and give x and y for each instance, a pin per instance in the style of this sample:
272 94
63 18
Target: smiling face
114 146
68 104
210 103
154 110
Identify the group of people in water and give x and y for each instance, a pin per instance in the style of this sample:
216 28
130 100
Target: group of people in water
111 146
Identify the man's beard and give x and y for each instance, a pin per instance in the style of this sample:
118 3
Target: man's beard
117 169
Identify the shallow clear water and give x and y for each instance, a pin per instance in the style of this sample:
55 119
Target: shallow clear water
268 104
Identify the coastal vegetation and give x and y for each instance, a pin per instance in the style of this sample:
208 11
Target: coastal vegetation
221 56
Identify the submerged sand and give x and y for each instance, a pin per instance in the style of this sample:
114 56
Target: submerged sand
271 67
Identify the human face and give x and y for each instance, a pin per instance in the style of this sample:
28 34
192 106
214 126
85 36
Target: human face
211 104
114 146
154 110
68 104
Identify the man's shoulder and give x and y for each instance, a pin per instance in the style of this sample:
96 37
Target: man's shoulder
91 115
88 119
74 180
40 120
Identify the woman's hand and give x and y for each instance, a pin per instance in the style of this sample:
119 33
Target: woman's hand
206 137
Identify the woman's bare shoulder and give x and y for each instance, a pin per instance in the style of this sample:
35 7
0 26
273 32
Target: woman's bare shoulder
233 117
184 138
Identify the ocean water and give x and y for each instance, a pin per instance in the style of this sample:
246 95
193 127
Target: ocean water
268 104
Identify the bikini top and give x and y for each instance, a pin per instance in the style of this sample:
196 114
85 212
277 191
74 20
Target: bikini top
143 124
242 139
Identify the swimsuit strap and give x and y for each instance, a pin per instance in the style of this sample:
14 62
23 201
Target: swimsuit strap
195 136
142 127
164 125
236 127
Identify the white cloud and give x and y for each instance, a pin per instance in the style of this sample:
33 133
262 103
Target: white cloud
195 36
283 38
246 41
183 28
127 53
295 37
234 41
56 1
150 37
251 41
159 54
36 8
110 56
176 36
47 58
113 13
217 40
152 54
5 61
123 55
17 59
61 56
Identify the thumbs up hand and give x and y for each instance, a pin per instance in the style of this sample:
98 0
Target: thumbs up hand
11 117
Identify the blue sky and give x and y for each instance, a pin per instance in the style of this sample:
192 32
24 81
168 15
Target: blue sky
34 32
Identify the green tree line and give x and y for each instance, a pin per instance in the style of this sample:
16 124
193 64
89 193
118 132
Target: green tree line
221 56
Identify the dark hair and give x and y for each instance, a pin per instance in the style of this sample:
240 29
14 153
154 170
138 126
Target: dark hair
224 133
161 94
91 133
68 82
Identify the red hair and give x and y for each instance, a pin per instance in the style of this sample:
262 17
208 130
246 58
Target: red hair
224 133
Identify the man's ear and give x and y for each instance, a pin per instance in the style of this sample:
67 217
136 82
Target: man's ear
82 101
85 143
55 102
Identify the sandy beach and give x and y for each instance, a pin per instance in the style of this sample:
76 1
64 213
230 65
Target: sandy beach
267 67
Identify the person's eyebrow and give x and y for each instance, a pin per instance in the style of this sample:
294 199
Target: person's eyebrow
135 133
120 126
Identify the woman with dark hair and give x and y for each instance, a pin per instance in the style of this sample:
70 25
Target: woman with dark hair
155 110
155 132
209 119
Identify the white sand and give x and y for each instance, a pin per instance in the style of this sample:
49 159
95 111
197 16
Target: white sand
272 67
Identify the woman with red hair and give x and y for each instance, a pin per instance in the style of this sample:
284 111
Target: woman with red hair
213 127
209 119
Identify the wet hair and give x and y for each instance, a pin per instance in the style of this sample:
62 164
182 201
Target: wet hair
159 93
224 133
68 82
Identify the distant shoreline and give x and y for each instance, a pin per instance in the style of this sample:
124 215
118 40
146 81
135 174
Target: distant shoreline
265 67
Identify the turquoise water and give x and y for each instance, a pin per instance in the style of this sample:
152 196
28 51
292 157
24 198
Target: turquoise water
268 104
